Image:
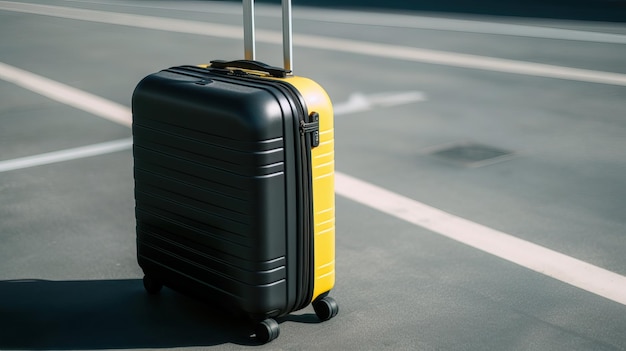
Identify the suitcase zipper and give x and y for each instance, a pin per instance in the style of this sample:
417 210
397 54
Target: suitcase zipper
309 138
312 128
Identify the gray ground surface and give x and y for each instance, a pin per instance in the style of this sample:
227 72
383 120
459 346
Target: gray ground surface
68 274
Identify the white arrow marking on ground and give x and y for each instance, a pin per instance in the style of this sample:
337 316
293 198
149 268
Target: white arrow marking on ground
359 102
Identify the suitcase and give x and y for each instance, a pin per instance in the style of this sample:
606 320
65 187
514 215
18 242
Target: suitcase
234 185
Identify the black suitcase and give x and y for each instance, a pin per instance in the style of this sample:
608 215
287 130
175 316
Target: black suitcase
233 167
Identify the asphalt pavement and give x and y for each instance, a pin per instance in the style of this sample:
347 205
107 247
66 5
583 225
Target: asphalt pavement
481 197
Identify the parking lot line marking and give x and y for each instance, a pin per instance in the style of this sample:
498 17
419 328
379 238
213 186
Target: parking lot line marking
66 94
66 155
455 25
548 262
327 43
396 20
459 60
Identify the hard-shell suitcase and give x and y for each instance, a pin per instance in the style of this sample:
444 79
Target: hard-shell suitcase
234 184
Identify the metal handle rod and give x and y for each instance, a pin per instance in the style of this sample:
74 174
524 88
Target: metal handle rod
249 38
287 36
248 30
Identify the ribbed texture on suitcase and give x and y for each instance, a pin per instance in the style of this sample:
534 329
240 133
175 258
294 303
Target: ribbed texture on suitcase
198 189
181 184
210 208
196 212
324 211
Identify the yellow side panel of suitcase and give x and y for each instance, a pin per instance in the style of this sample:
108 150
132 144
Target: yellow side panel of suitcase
323 176
323 169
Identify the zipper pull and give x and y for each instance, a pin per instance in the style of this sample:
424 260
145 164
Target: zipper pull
312 128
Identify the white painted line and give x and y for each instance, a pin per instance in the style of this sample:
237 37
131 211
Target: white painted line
457 60
572 271
326 43
66 155
66 94
390 20
139 21
456 25
569 270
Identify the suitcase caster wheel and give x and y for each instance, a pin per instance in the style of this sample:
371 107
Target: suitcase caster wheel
326 308
267 330
151 285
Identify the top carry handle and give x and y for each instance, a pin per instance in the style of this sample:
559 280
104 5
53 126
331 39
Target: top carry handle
248 33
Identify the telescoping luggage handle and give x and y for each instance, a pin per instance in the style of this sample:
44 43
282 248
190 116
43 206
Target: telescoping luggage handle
250 49
248 33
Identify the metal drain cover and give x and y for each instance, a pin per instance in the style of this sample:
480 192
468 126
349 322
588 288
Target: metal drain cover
472 154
